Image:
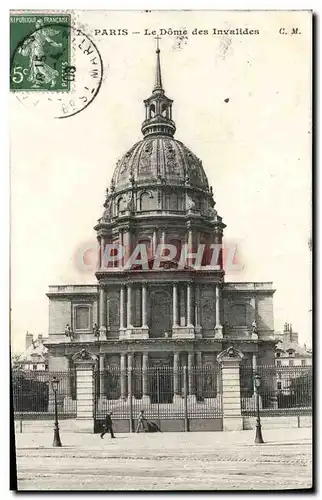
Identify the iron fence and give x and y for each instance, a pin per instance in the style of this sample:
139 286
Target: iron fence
162 392
285 390
33 396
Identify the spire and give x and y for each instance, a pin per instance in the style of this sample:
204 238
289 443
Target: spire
158 79
158 107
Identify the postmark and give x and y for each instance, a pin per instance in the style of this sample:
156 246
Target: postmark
56 68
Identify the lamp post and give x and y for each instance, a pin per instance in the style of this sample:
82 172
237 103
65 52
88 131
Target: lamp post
57 441
258 435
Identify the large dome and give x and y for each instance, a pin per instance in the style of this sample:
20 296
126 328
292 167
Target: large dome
159 158
159 175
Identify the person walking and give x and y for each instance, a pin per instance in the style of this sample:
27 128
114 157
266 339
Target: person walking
142 422
108 425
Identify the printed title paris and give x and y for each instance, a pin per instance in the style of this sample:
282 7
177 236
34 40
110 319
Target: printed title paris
176 32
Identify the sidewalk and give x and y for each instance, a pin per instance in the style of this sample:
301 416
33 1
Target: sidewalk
167 461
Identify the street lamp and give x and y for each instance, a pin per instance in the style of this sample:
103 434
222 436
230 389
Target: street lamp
258 435
57 441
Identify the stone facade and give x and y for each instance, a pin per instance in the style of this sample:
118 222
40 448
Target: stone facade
139 315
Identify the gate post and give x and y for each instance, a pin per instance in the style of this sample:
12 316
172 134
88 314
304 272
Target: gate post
230 359
85 401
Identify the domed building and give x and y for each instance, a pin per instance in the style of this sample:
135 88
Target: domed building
178 313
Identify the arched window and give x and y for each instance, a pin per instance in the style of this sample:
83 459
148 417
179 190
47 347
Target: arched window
146 201
164 110
152 110
120 205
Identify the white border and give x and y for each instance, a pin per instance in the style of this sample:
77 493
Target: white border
4 171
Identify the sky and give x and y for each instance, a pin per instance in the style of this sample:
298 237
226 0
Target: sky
255 148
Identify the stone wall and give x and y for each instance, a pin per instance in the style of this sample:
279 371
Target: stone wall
60 314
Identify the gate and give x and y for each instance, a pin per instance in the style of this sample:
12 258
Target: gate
176 400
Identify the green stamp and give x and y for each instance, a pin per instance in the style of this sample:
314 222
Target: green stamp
40 52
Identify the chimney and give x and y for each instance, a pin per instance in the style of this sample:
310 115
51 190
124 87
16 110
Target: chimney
285 327
29 339
291 332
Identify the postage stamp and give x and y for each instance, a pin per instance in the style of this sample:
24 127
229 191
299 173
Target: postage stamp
40 52
56 68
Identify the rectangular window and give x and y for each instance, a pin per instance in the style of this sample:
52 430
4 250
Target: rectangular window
34 367
303 362
278 363
291 362
82 318
279 385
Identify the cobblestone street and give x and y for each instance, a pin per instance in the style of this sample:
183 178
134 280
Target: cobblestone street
167 461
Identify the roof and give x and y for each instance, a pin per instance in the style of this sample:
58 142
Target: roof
35 352
297 348
159 157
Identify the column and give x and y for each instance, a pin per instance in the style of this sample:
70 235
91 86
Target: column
199 374
102 307
162 241
127 245
189 240
176 390
102 374
129 306
218 327
145 385
102 248
129 374
230 360
154 242
189 304
190 373
123 375
218 241
197 305
122 307
189 243
99 262
182 305
144 305
175 305
121 242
